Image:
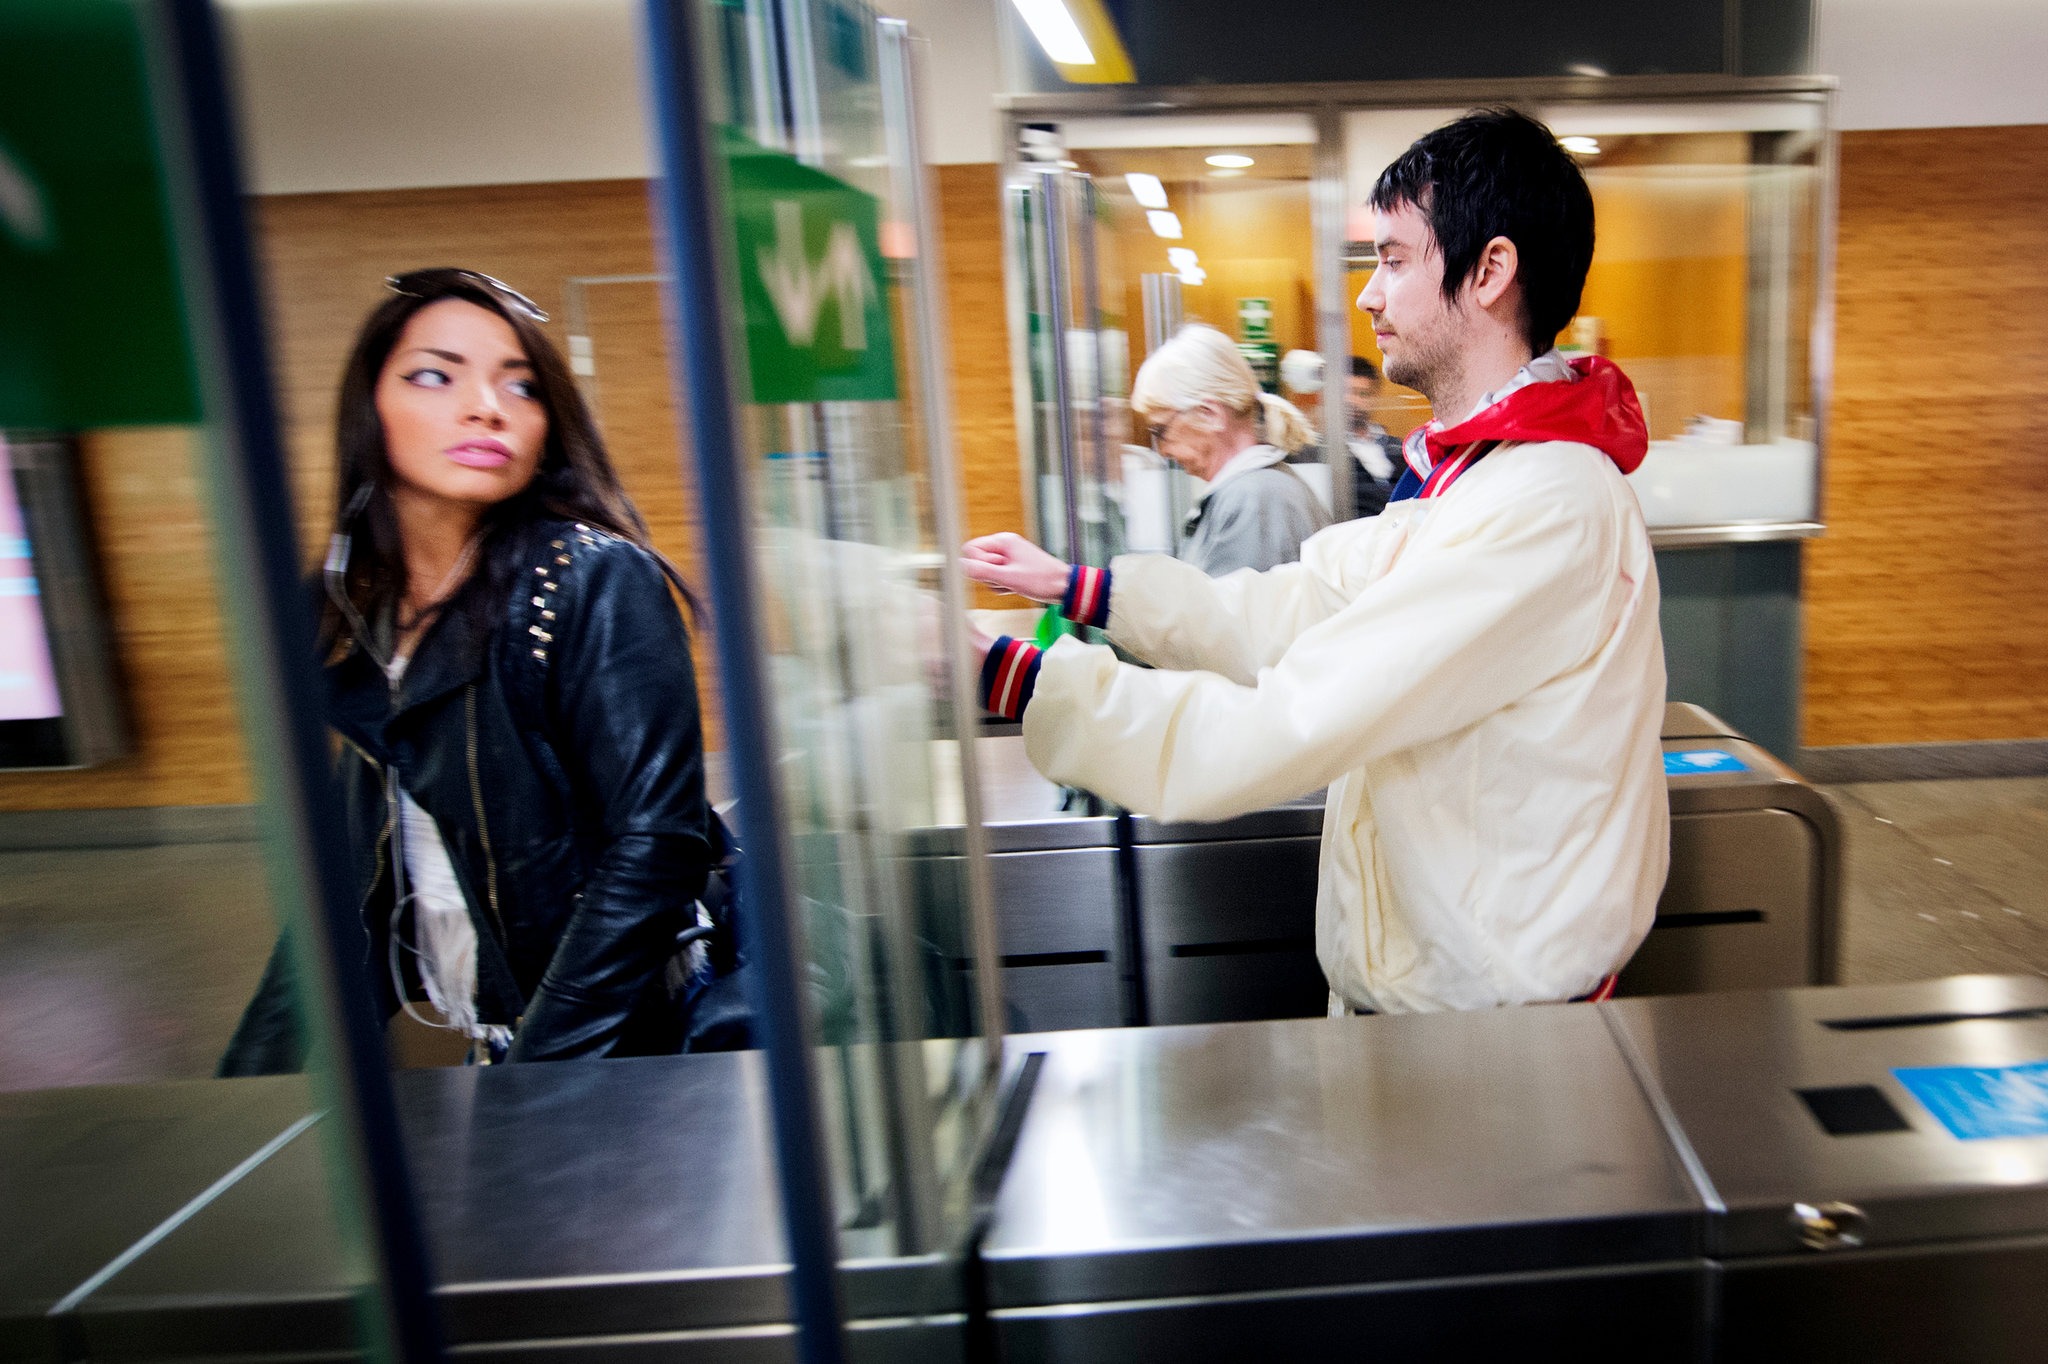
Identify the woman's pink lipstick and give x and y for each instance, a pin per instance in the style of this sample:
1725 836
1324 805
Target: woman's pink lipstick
480 454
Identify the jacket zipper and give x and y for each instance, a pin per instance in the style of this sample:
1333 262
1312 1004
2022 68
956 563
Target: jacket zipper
385 780
483 827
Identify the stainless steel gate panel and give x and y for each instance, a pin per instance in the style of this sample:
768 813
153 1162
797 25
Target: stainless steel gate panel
1754 891
1271 1157
1633 1314
87 1171
1053 882
1227 916
1738 908
1733 1067
570 1202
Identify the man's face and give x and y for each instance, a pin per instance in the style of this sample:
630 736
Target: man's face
1416 327
1361 393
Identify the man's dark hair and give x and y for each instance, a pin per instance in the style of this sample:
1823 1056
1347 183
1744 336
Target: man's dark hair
1362 368
1499 173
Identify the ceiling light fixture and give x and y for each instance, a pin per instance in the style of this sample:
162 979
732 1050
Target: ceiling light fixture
1230 160
1164 224
1580 146
1056 31
1146 189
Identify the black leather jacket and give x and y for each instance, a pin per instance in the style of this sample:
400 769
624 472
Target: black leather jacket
560 754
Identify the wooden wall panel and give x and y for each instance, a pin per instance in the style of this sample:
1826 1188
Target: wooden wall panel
326 256
985 415
1926 616
143 494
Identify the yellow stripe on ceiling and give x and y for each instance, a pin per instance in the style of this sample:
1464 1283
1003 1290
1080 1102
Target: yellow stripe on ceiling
1112 65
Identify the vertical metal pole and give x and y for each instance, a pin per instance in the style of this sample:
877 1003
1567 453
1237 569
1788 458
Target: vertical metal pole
900 87
1333 310
1052 209
690 197
309 863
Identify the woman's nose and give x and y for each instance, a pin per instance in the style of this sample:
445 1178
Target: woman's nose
485 407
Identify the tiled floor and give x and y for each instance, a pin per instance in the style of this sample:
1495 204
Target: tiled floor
134 963
122 964
1944 877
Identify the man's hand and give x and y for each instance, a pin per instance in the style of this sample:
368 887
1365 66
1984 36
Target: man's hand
1010 563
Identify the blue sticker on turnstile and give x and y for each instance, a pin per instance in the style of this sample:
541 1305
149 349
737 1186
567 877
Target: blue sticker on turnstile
1693 761
1975 1102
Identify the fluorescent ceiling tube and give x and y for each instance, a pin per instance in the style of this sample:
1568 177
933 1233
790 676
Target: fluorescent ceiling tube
1229 160
1164 224
1181 257
1580 146
1146 189
1056 31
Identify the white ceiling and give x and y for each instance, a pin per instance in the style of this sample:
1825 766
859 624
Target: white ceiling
369 94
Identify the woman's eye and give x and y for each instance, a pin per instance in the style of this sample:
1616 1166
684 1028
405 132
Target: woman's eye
429 378
525 388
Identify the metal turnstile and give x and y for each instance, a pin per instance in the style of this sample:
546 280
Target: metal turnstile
1227 916
1754 892
1739 1177
1425 1187
1850 1224
580 1209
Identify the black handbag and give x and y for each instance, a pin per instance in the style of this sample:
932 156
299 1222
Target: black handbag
707 979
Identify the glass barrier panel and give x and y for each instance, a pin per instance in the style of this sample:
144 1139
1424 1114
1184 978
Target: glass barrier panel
1704 288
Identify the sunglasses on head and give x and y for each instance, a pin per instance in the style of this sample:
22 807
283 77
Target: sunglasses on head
424 283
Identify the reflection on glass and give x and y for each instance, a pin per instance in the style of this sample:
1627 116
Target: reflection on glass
134 907
849 549
1704 286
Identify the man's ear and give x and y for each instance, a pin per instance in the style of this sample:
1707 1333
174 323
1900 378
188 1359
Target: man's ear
1498 271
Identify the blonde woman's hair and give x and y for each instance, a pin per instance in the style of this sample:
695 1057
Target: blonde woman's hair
1201 363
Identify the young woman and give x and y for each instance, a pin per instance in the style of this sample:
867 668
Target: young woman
510 678
1206 413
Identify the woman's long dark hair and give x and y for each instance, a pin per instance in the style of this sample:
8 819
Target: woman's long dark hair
575 481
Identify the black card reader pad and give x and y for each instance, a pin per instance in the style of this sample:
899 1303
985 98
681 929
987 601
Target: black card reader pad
1853 1110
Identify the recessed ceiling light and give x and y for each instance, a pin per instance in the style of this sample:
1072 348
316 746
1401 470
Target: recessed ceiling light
1230 160
1054 27
1146 189
1580 146
1181 257
1070 165
1164 224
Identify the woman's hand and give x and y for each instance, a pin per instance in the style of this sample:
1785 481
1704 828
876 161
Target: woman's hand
1010 563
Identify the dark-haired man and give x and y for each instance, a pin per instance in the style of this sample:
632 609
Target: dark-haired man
1377 453
1476 673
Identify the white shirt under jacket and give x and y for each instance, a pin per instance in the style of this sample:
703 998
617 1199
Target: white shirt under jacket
1479 681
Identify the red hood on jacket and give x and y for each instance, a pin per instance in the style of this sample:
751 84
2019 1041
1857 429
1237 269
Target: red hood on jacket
1599 410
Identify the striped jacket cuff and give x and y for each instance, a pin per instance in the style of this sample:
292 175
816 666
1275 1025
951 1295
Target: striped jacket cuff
1008 676
1087 599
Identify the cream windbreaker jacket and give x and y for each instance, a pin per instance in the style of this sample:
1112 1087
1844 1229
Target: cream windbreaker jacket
1478 678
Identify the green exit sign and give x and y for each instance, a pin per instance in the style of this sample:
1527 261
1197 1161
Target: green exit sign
811 283
92 328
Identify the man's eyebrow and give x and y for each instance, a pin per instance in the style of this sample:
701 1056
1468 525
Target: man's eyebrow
1386 244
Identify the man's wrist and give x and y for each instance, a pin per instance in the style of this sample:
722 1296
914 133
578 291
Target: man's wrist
1009 674
1086 601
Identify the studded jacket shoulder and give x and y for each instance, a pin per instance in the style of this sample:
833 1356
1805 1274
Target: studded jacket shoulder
560 754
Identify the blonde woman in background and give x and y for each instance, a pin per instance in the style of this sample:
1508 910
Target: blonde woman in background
1205 412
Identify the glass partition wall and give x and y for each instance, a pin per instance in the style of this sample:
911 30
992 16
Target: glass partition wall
847 522
1708 286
